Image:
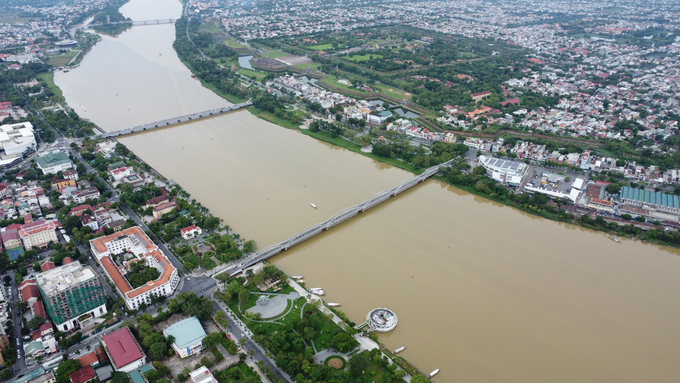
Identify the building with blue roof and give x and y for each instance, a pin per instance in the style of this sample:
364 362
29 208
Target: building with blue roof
188 334
659 205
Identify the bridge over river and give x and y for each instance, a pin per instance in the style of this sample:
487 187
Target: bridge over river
335 219
176 120
136 22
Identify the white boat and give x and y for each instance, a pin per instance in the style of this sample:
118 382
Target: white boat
614 239
400 349
300 281
433 373
334 304
83 108
317 291
314 206
297 277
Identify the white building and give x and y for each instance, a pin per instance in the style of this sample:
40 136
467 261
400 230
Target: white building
138 247
17 138
507 172
202 375
52 163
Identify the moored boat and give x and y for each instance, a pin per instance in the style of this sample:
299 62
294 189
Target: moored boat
334 304
400 349
433 373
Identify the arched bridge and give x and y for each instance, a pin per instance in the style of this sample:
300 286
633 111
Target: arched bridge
335 219
176 120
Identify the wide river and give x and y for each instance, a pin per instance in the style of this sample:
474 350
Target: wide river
482 291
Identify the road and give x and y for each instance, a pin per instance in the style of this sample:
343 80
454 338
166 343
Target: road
20 366
258 353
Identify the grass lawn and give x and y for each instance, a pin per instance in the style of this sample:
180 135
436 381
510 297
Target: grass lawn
274 54
49 79
230 97
232 42
62 58
210 28
361 58
250 73
320 47
314 66
273 118
242 368
332 80
392 92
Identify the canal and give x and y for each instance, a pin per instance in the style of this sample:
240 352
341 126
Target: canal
482 291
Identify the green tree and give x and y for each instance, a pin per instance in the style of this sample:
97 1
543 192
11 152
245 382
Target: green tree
67 368
419 379
479 170
243 296
119 377
153 375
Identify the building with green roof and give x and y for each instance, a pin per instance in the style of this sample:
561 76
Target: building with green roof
188 334
660 205
51 163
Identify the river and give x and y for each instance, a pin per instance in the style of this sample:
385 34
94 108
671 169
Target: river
482 291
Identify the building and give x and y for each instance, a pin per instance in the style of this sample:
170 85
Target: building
4 340
48 377
12 242
202 375
135 246
188 334
90 221
162 209
60 185
658 205
73 295
191 232
504 171
82 195
29 291
39 233
17 138
121 172
153 202
123 350
71 174
480 95
52 163
83 375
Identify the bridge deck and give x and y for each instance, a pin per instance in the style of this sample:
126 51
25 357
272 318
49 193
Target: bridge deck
176 120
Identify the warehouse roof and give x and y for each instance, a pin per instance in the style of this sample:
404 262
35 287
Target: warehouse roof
122 347
650 197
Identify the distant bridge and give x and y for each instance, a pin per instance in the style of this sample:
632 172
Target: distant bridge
176 120
335 219
137 22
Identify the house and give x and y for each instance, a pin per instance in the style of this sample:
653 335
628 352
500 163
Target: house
134 179
83 375
59 185
188 334
153 202
47 265
89 359
29 291
480 95
191 232
80 210
83 195
52 163
12 242
123 350
165 208
120 172
38 310
39 233
71 174
90 221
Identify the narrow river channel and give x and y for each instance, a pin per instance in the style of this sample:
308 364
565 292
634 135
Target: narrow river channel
482 291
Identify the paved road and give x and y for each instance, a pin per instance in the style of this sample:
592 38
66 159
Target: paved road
258 352
20 366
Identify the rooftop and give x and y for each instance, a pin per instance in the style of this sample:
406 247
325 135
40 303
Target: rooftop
122 347
82 375
52 159
64 277
650 197
187 332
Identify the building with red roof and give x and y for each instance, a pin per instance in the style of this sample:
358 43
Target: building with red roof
135 241
89 359
39 233
191 232
38 309
47 265
67 260
80 210
83 375
29 291
123 350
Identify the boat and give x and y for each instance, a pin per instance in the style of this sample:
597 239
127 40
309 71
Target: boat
297 277
400 349
334 304
83 108
433 373
300 281
314 206
317 291
614 239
